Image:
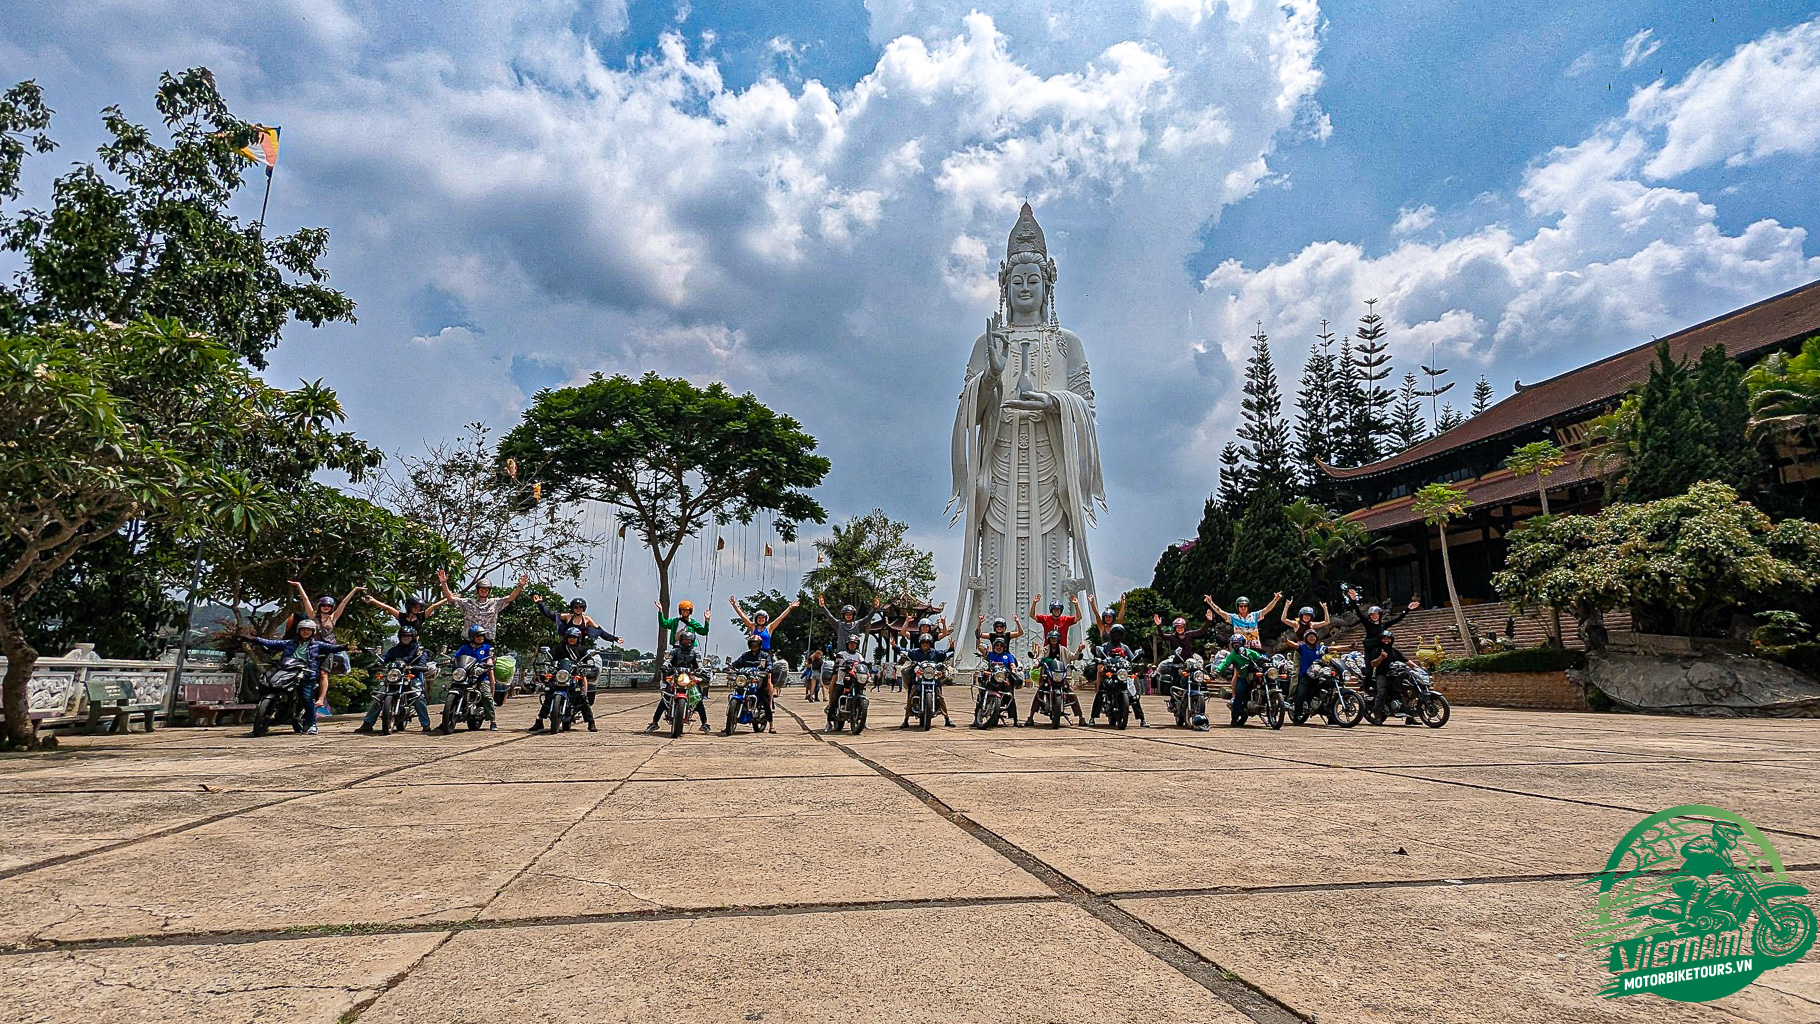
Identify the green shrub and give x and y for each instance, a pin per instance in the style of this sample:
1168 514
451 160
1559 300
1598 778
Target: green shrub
1528 659
1802 657
348 693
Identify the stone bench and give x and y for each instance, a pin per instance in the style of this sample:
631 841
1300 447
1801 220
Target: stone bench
112 701
214 703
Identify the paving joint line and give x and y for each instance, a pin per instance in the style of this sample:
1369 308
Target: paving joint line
1220 982
1373 884
239 937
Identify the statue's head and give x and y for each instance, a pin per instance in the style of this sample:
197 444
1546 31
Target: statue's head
1026 278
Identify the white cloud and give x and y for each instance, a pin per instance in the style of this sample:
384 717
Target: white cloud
1413 219
1639 48
1582 64
1762 101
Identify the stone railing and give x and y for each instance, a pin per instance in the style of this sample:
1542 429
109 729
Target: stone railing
59 686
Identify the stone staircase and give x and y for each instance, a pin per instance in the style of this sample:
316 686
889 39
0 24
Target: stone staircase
1420 628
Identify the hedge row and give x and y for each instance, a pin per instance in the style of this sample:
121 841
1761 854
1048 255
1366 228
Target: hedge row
1528 659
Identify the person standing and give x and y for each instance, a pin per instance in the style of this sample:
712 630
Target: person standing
482 610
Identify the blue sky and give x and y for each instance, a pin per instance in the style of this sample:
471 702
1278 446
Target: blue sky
809 200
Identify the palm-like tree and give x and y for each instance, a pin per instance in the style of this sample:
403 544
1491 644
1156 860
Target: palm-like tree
1538 459
1785 396
1438 505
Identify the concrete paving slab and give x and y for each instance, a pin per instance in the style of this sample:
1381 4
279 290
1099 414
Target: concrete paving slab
1013 963
1469 953
35 827
709 844
311 980
282 873
599 764
183 770
1771 796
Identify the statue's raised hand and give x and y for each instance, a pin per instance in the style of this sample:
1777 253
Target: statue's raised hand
1032 401
998 346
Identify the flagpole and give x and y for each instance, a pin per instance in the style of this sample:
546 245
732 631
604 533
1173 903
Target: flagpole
267 199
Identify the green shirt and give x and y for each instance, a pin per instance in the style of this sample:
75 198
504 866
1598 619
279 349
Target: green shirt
1248 658
671 624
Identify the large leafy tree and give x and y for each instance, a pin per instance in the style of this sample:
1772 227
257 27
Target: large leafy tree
463 492
1188 570
146 230
867 561
102 427
670 457
1538 459
1142 604
1681 564
107 595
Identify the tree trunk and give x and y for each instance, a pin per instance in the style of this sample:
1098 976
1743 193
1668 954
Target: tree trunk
21 658
663 598
1459 610
1542 489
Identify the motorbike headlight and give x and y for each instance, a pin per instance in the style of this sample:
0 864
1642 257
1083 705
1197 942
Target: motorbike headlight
562 675
459 675
394 675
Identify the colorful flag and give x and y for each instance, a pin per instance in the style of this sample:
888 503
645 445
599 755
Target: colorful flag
767 551
720 543
267 144
622 530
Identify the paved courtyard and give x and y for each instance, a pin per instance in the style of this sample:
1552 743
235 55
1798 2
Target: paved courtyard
1392 874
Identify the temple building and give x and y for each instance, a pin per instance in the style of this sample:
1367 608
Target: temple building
1471 456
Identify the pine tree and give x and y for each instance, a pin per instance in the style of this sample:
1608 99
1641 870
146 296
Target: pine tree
1262 428
1407 426
1481 395
1203 569
1348 410
1449 418
1315 420
1688 428
1167 577
1234 482
1371 357
1267 550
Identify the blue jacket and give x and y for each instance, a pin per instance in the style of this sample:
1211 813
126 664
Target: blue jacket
312 652
482 654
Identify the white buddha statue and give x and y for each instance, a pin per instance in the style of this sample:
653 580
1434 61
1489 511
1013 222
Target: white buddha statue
1026 457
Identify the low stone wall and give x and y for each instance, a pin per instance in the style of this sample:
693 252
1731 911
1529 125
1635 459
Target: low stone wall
1548 691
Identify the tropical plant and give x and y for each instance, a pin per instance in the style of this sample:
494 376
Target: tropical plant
103 426
1785 396
867 562
1538 459
1438 505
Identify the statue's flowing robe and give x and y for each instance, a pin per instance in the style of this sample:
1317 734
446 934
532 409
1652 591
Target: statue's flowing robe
1026 482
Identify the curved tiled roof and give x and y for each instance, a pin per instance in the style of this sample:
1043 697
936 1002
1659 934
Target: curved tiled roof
1793 314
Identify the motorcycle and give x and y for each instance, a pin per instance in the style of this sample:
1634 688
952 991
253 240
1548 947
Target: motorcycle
462 705
746 699
537 680
1051 695
399 687
849 709
1411 695
1115 689
1329 696
1186 684
1265 698
923 694
679 695
992 699
559 698
281 697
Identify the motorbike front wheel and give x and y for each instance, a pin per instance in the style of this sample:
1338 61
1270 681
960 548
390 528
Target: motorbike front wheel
1347 708
1118 711
925 715
1273 710
732 716
1298 713
1055 711
1785 928
262 717
1435 710
677 714
1372 714
858 721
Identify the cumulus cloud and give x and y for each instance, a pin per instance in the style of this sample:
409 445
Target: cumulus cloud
1605 253
1639 48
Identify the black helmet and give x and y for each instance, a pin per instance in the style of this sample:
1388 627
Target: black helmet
578 604
1117 632
1054 637
686 638
847 609
1388 638
412 602
407 632
1311 635
1055 604
325 601
572 633
1246 601
754 640
1106 614
999 641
